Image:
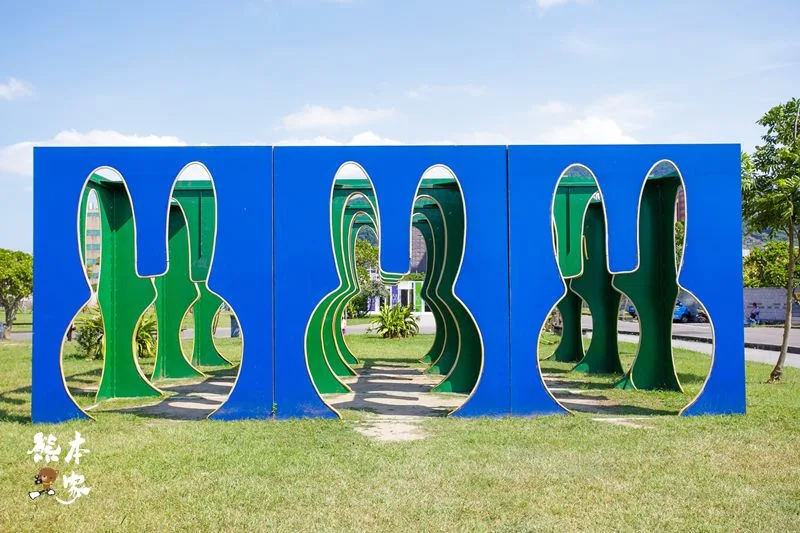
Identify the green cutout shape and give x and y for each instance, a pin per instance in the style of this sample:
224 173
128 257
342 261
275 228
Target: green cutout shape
197 200
176 294
595 288
572 197
122 295
570 347
653 288
465 370
428 294
442 361
324 360
573 194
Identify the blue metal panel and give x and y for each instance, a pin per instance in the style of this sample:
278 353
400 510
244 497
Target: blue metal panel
712 267
535 282
241 270
61 290
304 266
712 262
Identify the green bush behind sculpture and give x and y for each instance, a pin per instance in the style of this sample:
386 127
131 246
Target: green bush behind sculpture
396 322
89 335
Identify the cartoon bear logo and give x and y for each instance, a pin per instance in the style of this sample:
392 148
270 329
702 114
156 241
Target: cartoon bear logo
45 478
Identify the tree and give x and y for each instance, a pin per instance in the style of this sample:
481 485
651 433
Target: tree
680 239
16 283
366 255
768 266
771 196
366 261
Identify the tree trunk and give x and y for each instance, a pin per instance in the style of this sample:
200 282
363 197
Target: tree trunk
777 372
11 315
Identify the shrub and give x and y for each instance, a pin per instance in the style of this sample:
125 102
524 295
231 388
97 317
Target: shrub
147 336
358 307
395 322
89 334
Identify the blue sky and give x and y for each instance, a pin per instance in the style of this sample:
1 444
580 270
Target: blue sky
381 71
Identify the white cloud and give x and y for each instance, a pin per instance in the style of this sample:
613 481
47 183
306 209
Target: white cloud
553 107
314 116
588 130
544 5
425 91
369 138
366 138
613 119
633 110
18 158
481 137
14 88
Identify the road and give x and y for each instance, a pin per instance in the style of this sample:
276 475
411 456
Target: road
761 343
765 338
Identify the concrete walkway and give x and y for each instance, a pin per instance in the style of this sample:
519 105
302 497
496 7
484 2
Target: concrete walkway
396 399
191 401
395 391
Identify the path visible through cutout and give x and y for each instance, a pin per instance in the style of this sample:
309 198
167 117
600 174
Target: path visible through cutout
191 401
396 399
591 401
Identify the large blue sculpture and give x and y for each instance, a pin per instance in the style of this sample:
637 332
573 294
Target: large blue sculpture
273 258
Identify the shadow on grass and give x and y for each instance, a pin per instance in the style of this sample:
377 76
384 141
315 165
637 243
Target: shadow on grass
555 370
395 390
9 415
617 409
686 378
405 362
597 394
187 400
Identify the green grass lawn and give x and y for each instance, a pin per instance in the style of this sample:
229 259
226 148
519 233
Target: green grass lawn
565 473
223 320
692 369
374 350
359 321
83 375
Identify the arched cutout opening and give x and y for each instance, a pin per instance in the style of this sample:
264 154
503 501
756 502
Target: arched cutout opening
377 367
622 359
200 345
165 352
105 355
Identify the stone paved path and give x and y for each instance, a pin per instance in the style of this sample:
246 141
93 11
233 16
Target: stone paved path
396 400
192 401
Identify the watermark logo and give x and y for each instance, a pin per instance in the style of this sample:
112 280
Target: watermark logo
46 449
